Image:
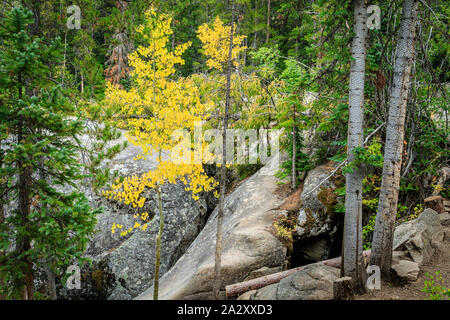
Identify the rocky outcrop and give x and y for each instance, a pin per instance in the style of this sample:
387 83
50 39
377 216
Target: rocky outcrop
265 293
315 282
415 242
317 221
316 215
419 237
133 262
123 267
248 243
264 271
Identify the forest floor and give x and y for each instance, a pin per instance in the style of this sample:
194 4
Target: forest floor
413 290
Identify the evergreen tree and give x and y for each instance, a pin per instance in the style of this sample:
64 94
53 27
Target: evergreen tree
44 226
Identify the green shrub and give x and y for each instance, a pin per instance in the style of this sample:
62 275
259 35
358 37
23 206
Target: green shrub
434 287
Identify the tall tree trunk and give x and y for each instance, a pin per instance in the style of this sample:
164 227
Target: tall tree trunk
2 253
82 81
51 278
24 209
2 221
218 258
51 281
255 24
36 9
63 68
23 242
294 151
158 246
353 261
387 205
299 24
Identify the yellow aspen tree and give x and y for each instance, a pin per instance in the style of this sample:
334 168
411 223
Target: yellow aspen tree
155 108
216 41
222 47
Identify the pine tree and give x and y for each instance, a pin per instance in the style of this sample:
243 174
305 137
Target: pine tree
118 60
291 120
47 227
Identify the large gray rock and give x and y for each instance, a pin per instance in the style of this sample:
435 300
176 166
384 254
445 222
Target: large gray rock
397 256
133 262
419 236
445 219
317 223
266 293
315 282
248 243
264 271
316 215
123 267
246 295
408 270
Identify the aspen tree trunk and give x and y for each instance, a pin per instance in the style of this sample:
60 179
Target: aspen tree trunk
51 281
82 82
218 258
352 254
158 239
158 246
387 205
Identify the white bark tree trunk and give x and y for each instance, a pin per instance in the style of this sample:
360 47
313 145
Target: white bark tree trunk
387 206
353 261
217 284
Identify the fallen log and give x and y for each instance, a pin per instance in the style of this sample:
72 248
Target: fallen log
239 288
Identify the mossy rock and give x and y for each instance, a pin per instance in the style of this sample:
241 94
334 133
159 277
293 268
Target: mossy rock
328 198
316 214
